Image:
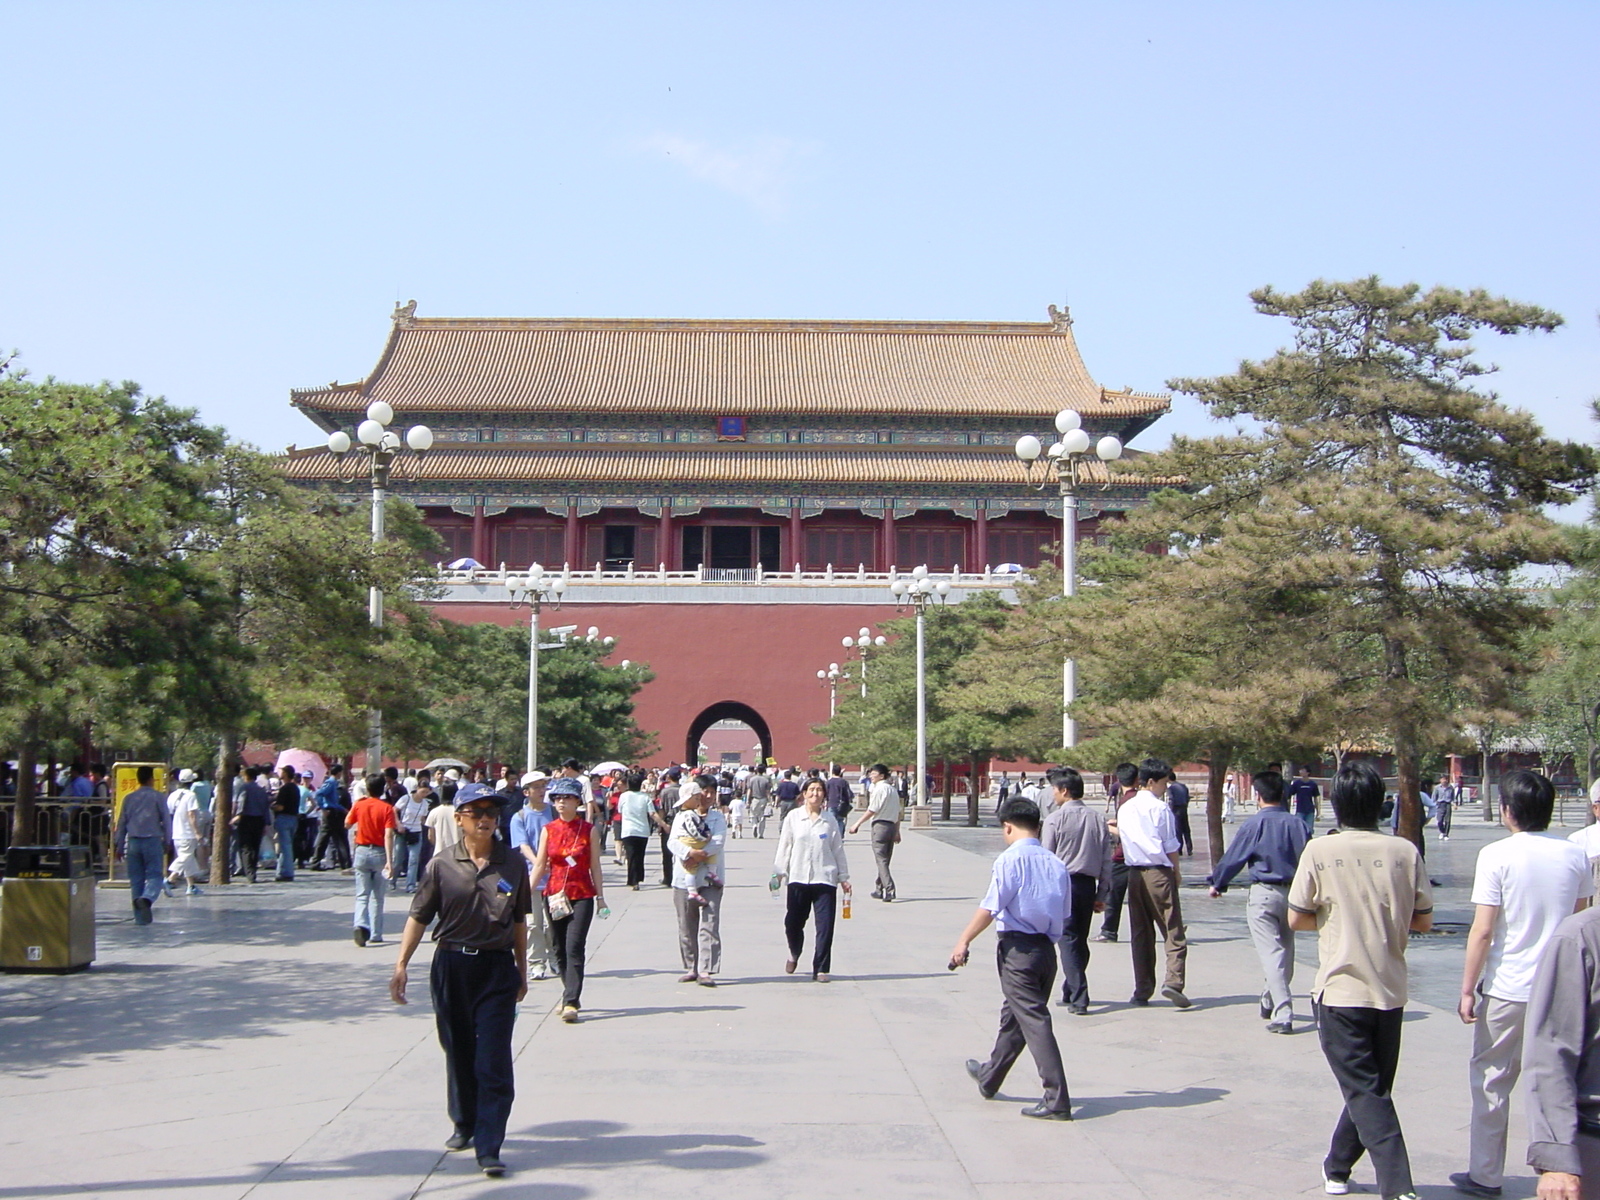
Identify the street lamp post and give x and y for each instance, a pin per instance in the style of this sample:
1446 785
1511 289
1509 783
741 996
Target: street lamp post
830 680
1067 457
917 592
382 446
863 641
535 589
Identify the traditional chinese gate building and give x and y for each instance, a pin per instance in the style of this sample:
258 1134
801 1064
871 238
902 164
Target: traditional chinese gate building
731 498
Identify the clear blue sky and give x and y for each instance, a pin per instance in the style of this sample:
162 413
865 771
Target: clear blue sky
224 200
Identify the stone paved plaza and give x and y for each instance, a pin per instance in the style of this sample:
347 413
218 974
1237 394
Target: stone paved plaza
243 1046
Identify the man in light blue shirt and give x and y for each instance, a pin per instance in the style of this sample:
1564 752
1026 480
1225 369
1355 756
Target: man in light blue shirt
1029 902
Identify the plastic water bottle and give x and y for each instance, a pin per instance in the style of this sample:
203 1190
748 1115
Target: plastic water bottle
774 883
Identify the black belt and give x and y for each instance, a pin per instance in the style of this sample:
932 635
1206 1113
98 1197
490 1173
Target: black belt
1150 866
461 948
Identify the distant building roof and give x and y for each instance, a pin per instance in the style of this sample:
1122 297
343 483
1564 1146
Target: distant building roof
732 464
733 368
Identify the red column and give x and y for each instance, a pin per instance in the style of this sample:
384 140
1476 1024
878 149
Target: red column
797 550
569 542
480 536
980 541
665 548
888 539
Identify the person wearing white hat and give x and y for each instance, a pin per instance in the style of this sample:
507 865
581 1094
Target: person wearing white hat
184 807
526 825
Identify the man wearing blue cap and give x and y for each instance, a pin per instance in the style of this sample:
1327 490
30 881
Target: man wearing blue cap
479 890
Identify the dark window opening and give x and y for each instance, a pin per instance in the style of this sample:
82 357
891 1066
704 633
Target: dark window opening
730 547
619 546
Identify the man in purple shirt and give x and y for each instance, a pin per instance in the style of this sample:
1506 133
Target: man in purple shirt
1029 901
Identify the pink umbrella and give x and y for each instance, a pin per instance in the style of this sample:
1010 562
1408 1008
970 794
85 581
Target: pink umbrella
304 761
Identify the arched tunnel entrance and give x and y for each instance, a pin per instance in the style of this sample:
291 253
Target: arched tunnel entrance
726 710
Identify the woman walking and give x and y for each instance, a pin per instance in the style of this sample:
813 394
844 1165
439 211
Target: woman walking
573 889
634 808
811 861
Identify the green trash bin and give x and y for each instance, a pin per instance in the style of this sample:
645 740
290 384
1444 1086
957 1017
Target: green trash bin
47 909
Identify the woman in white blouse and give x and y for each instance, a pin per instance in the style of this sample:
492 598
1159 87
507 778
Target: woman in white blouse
811 861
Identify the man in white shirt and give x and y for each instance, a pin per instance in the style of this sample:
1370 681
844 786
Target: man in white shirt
699 924
1587 839
184 806
1525 886
1148 832
883 811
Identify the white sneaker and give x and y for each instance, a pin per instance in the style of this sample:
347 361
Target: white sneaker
1335 1187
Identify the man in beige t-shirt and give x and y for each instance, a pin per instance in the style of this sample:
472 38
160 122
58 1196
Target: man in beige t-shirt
1363 892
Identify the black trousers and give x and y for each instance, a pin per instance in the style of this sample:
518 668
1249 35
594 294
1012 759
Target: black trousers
635 847
569 940
666 859
305 838
1074 944
332 834
248 844
1027 965
1111 923
1362 1046
474 1007
818 899
1180 818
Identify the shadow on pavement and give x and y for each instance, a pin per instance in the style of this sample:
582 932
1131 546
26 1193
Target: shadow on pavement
1099 1106
408 1163
605 1143
611 1014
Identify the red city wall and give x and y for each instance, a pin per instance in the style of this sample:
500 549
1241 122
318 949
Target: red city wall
763 656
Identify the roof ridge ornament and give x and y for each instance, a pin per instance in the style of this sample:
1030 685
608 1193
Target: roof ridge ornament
404 315
1060 319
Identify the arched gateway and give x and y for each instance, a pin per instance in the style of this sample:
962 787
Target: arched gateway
726 710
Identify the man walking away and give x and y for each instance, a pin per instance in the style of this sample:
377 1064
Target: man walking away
1029 901
1078 836
141 838
286 821
184 808
255 810
1562 1060
1125 781
883 811
1270 843
841 798
1524 887
759 788
1178 802
333 802
372 818
1150 848
1363 893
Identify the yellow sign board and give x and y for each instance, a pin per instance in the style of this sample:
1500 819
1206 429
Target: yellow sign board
125 780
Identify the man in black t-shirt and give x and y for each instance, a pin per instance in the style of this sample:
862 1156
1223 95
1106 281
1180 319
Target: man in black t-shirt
661 814
840 796
788 794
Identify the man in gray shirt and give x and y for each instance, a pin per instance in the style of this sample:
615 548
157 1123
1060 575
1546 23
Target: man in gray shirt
759 789
1078 836
140 835
1561 1061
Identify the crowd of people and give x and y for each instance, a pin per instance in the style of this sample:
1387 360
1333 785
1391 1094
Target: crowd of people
519 882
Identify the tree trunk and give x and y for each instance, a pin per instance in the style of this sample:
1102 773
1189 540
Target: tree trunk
222 810
1408 787
1216 783
1486 757
972 793
23 817
944 770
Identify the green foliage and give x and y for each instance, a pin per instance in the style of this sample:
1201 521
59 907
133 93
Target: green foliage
882 726
585 704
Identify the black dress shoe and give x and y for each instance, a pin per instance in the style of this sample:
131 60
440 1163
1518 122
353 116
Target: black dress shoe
492 1167
458 1141
975 1069
1079 1010
1138 1003
1042 1113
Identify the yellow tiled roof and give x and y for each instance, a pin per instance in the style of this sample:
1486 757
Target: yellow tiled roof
733 464
730 368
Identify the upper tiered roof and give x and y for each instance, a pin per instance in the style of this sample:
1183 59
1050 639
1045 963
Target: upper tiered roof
729 368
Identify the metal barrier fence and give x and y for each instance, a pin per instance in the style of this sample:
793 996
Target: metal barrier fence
65 822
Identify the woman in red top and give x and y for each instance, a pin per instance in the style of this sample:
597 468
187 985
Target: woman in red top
573 890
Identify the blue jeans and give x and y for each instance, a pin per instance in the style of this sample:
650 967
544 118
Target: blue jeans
286 827
146 866
370 887
408 856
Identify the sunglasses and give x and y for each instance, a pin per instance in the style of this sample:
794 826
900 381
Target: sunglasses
478 814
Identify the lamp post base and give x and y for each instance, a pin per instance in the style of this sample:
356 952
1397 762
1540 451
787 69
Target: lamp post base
922 816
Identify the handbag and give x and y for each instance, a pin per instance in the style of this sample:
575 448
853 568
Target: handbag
559 906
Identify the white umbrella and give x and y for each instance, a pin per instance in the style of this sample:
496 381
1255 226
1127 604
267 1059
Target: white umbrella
607 767
446 763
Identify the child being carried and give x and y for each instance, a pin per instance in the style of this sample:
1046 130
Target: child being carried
695 834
